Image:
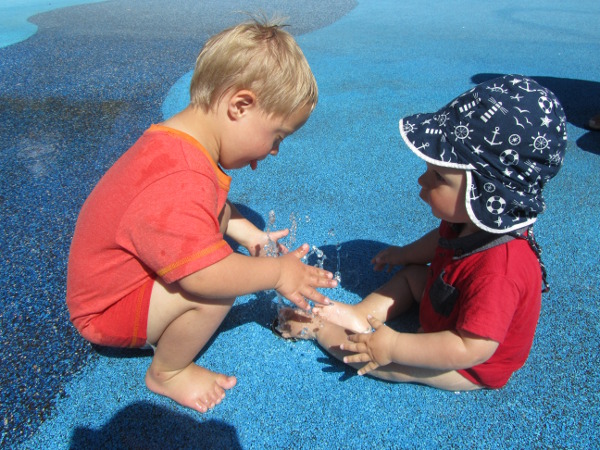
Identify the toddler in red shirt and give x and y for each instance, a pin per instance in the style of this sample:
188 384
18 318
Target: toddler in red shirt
478 276
148 263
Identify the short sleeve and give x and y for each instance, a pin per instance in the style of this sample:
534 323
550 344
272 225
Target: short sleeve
172 226
488 306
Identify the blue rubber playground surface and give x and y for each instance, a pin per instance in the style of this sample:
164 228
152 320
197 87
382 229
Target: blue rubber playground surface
81 80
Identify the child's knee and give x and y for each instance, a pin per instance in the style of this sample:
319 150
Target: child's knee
416 279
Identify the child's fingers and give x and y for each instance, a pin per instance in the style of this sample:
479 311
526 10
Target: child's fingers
320 278
374 321
299 301
309 293
358 339
324 279
357 358
378 267
321 299
368 368
307 279
354 346
301 251
315 296
320 275
276 235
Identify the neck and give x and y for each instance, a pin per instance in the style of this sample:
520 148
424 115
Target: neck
467 229
198 124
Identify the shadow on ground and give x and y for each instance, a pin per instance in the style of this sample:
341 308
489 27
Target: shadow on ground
156 428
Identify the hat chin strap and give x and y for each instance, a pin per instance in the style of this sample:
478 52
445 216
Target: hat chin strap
528 235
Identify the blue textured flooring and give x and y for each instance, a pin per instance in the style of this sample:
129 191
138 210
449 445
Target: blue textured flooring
80 88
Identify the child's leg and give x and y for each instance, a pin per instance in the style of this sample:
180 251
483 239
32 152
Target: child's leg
331 336
299 324
180 326
331 325
390 300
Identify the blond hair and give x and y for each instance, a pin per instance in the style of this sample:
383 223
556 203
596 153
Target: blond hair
261 57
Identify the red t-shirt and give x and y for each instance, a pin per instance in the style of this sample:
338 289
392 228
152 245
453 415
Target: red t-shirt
154 213
489 288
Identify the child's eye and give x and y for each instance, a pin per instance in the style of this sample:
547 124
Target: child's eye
438 176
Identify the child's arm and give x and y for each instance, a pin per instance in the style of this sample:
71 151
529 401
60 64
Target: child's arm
238 275
420 251
246 234
444 350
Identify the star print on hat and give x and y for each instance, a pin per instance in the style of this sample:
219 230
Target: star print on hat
509 135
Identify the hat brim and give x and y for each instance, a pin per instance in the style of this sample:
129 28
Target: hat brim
434 148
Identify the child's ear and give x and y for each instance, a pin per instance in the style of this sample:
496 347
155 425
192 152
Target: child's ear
240 103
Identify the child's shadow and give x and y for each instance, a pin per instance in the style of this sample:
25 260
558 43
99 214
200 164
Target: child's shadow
144 425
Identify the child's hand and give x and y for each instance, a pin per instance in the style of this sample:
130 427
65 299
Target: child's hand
257 243
371 348
297 281
390 257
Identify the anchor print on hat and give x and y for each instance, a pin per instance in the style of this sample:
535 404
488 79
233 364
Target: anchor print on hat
509 135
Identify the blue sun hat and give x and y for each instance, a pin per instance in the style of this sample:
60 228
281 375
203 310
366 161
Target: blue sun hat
509 135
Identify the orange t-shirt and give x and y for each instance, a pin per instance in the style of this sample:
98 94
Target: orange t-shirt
154 213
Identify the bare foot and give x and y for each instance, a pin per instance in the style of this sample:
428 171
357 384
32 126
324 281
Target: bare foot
194 386
298 324
344 315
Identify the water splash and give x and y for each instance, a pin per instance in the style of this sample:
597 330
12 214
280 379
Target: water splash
293 231
318 253
337 275
272 249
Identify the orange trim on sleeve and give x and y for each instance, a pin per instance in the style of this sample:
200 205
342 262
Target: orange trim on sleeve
193 257
224 179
